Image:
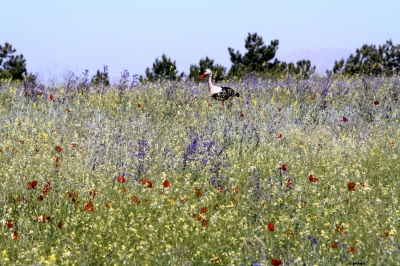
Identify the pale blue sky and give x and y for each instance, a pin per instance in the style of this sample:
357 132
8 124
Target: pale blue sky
57 36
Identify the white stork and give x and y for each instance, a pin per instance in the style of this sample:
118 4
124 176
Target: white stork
218 93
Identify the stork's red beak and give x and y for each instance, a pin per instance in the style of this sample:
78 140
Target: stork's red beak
202 76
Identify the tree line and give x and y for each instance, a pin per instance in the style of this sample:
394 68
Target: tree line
259 60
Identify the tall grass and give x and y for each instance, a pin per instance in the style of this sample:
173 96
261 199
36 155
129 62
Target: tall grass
294 172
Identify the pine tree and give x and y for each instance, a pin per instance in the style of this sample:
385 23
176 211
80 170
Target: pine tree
302 69
162 69
370 60
101 78
260 60
11 66
257 58
219 71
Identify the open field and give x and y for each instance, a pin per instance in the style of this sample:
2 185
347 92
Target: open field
293 172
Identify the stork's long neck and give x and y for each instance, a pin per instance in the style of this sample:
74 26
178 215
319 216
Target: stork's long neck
210 85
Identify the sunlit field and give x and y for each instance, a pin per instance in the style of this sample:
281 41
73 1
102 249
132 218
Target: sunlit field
294 172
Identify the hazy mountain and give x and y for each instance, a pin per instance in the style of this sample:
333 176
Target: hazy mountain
322 58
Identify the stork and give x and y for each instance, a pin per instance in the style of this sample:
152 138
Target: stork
218 93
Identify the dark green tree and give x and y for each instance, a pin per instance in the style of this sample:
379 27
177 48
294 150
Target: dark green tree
219 71
260 60
162 69
302 69
11 66
101 78
257 58
370 60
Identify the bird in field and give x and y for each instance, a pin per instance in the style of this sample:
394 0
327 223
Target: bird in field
218 93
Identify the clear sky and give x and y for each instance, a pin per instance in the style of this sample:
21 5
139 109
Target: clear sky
74 35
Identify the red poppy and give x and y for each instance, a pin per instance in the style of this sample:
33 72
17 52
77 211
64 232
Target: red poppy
60 224
68 110
57 161
271 226
183 199
89 206
59 148
10 224
74 145
279 109
204 210
352 249
204 222
135 200
21 198
284 167
41 218
279 136
376 102
46 189
32 184
139 105
201 219
241 115
339 229
145 181
351 186
15 235
312 178
197 216
93 192
289 184
121 179
166 183
276 262
333 245
236 189
51 97
345 119
198 192
72 194
221 188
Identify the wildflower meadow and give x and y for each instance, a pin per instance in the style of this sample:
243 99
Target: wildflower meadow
293 172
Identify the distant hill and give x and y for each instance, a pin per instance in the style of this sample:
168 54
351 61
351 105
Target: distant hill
322 58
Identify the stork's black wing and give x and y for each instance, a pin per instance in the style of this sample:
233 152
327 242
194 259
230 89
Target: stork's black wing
230 91
220 96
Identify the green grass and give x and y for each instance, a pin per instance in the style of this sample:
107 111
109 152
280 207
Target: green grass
224 168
